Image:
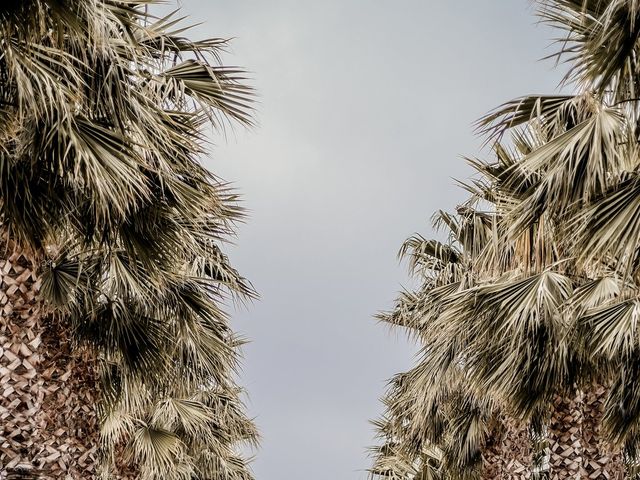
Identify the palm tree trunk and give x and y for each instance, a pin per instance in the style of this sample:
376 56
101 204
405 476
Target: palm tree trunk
48 426
576 448
601 459
565 438
508 453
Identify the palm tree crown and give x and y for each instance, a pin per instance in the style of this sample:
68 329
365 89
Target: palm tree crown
103 108
528 312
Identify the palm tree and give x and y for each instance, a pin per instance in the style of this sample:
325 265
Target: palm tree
116 359
528 312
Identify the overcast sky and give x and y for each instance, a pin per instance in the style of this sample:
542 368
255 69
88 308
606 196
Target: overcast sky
365 109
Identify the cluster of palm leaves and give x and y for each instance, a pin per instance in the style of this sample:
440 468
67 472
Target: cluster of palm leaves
103 108
535 293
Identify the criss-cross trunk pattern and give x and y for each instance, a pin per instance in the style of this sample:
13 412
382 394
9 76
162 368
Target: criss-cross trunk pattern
531 302
117 358
573 448
48 421
577 449
507 454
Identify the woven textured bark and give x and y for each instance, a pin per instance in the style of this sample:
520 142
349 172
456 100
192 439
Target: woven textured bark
565 438
601 461
507 456
48 423
577 449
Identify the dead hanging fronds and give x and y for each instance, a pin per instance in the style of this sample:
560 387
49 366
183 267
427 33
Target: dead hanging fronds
532 301
103 108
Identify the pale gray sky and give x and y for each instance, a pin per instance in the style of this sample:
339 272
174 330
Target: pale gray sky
365 108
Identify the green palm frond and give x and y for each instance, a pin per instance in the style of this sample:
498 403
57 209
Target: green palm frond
218 87
104 108
514 337
159 453
467 429
428 255
520 111
622 408
609 230
534 293
595 292
576 166
612 330
600 42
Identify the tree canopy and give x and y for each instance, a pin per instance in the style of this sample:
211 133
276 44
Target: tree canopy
103 115
534 293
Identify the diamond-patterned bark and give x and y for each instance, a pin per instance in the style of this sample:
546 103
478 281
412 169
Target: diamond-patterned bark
508 453
575 450
601 461
48 427
565 438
